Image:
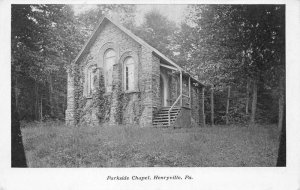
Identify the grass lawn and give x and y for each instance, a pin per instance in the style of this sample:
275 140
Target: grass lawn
54 145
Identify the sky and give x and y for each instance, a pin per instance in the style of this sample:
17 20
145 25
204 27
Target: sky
174 12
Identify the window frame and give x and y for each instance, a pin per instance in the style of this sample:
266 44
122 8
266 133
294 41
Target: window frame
126 74
91 71
107 74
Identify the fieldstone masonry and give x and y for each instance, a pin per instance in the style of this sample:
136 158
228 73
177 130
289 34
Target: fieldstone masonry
113 120
70 112
146 87
119 106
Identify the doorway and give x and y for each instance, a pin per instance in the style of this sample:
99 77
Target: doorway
164 90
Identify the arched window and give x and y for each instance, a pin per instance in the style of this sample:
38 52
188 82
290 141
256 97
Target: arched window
91 79
109 61
128 74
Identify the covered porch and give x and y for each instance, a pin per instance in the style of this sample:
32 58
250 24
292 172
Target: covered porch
178 91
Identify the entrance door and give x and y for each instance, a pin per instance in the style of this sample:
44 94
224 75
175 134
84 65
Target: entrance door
163 90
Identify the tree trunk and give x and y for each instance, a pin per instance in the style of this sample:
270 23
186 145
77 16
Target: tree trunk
227 106
254 103
16 93
247 96
63 106
41 109
18 158
281 103
36 108
202 108
212 106
280 112
50 95
281 159
57 109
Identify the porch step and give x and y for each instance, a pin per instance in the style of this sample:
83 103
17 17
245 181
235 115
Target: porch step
166 114
161 118
166 111
168 107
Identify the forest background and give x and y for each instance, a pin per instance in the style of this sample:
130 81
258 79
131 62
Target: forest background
237 51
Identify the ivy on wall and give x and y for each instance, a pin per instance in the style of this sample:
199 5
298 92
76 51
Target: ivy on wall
129 107
96 109
121 101
102 102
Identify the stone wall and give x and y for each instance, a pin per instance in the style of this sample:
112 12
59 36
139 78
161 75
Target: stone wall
145 82
131 106
116 90
70 112
183 118
156 101
117 106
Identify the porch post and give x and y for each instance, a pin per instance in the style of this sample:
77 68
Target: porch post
190 100
202 97
180 88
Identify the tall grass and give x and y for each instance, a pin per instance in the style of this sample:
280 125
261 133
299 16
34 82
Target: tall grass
55 145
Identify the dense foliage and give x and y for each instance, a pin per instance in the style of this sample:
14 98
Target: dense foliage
158 31
236 46
241 46
45 40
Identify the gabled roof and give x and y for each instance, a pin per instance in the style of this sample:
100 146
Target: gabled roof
103 21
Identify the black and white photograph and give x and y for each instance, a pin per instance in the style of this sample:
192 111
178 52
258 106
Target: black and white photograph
122 86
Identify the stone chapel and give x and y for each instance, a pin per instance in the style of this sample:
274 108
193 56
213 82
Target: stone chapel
117 78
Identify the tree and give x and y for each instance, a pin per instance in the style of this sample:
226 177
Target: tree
158 31
232 44
44 41
118 12
281 159
264 29
18 158
227 106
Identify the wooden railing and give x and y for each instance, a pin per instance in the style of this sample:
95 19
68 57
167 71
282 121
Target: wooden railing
180 97
169 112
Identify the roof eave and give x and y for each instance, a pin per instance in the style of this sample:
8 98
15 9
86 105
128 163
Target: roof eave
89 42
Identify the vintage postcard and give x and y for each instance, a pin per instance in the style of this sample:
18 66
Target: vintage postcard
150 95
